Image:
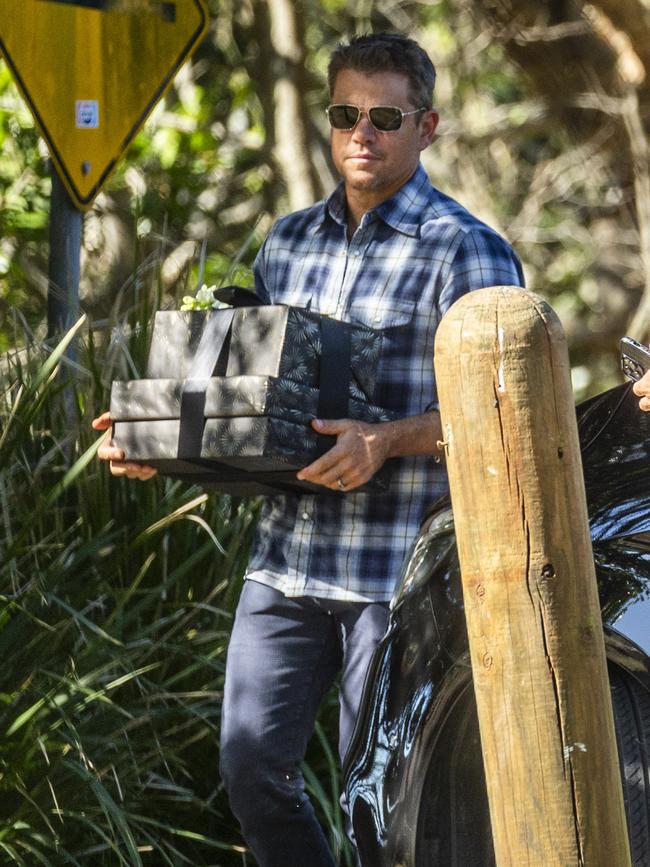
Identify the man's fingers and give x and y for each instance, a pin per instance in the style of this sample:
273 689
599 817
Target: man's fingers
129 470
119 467
350 461
343 471
643 384
102 422
328 469
320 466
108 452
331 426
642 390
332 458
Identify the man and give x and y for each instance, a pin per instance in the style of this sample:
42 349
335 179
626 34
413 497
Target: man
642 390
390 251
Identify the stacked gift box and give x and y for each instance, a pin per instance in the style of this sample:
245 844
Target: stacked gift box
229 394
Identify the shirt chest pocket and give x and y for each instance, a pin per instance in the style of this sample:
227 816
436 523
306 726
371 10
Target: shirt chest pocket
396 322
382 315
399 354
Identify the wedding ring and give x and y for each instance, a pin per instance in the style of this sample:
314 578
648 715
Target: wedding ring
341 484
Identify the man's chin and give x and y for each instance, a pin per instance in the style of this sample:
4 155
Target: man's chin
364 181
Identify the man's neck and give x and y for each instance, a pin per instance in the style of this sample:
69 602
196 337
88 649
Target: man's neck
357 206
359 202
353 223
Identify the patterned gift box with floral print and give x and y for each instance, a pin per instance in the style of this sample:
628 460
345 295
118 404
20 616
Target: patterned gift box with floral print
231 396
256 401
268 340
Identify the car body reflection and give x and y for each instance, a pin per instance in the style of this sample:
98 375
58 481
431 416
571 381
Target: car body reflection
414 775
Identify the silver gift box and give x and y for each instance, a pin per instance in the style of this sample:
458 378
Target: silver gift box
240 420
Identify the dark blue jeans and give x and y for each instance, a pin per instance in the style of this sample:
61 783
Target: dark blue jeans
283 656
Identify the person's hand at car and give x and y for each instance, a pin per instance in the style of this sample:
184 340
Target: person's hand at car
116 457
642 389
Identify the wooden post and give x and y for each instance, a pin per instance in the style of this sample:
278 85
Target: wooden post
531 602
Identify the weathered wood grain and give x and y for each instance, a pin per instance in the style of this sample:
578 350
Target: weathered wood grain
529 584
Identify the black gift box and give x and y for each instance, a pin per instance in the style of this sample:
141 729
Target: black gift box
267 340
246 384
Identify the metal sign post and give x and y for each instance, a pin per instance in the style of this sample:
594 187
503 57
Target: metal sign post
64 262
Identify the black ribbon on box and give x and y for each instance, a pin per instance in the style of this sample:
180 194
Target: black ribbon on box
333 392
210 360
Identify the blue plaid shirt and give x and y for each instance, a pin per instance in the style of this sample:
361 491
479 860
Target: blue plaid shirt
408 261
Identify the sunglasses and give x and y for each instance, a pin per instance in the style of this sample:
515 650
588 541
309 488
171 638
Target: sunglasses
384 118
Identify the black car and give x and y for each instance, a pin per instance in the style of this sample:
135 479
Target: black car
414 775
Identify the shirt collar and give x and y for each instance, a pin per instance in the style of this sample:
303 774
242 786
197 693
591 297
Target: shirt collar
335 206
403 212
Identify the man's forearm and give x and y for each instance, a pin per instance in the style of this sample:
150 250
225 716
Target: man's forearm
416 435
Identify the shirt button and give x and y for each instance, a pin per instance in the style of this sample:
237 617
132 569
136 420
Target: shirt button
305 516
357 252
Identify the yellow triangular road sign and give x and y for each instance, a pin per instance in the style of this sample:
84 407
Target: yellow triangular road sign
92 70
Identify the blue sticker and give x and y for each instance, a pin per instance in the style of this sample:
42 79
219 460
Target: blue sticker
87 114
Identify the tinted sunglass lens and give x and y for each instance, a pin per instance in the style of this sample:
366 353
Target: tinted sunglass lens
385 118
343 116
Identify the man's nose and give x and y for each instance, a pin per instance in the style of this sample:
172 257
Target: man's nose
364 130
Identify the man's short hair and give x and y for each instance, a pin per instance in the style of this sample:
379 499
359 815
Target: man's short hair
387 52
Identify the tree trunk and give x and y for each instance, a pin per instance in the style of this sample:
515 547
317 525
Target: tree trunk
291 122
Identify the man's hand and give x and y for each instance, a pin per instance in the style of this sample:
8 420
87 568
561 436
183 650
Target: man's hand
108 452
361 448
642 390
360 451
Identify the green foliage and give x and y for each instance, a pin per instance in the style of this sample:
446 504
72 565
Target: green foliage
24 193
116 603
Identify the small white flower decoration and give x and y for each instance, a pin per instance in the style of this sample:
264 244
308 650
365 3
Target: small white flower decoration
203 300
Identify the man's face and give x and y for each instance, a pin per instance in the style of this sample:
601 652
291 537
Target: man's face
373 164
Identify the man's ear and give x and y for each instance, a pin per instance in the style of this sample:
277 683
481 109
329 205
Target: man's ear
428 126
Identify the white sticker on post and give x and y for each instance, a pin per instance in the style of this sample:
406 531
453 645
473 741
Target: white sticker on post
87 113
